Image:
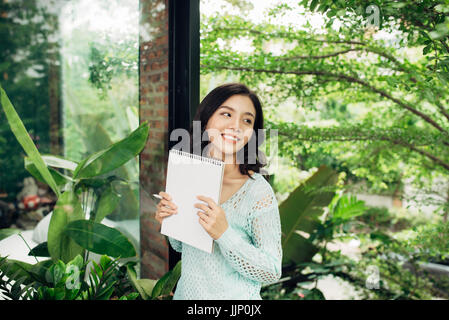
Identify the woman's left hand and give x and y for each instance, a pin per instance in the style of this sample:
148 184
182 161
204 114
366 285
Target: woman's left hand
212 218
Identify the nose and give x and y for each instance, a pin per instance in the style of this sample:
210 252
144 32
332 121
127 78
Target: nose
235 125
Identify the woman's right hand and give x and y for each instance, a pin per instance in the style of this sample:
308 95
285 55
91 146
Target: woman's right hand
162 211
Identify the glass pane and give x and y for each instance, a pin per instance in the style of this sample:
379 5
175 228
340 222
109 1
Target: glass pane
70 68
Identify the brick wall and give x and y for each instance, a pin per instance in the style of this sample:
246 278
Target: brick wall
153 95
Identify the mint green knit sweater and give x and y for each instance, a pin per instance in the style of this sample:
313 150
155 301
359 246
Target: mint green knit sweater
247 255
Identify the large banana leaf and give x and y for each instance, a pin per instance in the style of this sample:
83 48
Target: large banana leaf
143 286
166 284
300 212
128 206
100 239
114 156
107 203
22 136
59 162
6 232
16 270
67 209
59 178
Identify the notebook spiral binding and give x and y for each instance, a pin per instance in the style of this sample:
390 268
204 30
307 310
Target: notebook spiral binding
197 157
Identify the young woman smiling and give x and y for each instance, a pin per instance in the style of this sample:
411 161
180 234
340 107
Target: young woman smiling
245 224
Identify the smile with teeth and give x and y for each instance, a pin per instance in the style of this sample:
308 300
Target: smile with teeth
230 138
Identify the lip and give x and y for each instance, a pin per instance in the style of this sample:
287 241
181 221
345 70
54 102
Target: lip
230 140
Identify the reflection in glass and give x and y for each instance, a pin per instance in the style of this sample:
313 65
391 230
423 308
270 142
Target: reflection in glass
70 69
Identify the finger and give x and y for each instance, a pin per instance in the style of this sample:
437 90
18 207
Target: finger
204 224
168 212
165 195
208 200
165 209
203 216
202 207
164 214
169 203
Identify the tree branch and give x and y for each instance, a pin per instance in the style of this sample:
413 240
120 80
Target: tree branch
320 57
348 79
443 111
396 141
288 35
424 153
443 42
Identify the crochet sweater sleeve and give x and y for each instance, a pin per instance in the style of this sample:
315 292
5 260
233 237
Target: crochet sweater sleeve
261 259
175 244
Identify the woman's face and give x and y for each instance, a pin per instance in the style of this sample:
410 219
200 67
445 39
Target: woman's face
231 126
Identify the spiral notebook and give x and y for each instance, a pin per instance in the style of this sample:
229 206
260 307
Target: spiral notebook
190 175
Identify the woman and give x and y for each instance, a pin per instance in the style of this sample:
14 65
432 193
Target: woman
245 225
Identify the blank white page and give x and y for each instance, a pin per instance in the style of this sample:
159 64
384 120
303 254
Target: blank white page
190 175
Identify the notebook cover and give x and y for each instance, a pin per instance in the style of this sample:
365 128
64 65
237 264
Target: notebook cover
190 175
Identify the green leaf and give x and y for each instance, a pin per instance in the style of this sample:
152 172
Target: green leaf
14 269
300 211
67 209
100 239
59 178
313 5
131 296
56 273
39 270
107 203
59 162
5 233
143 286
314 294
41 250
166 284
22 136
381 237
114 156
348 207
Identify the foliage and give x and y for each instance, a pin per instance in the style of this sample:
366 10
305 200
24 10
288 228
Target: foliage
11 289
431 242
392 119
396 264
299 275
300 212
368 99
27 30
108 62
400 271
70 236
86 175
105 280
381 219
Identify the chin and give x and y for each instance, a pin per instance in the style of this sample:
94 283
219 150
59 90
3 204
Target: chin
227 150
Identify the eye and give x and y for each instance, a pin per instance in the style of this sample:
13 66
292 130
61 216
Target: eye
249 121
226 113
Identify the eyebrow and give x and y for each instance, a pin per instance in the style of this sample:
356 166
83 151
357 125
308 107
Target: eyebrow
248 113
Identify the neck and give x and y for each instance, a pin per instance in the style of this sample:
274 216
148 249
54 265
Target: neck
231 170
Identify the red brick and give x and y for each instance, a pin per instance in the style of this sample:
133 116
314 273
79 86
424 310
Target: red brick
163 113
153 81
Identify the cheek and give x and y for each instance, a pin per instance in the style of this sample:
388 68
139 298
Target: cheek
248 134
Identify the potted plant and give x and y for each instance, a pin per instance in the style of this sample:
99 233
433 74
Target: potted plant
75 230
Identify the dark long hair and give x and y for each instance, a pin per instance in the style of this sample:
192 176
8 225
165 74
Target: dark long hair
207 108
